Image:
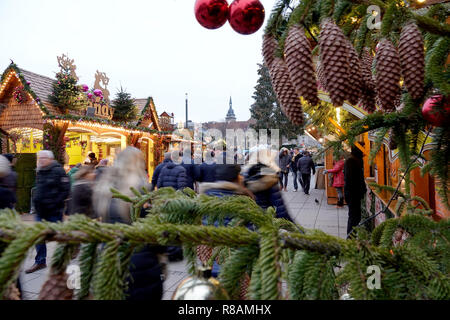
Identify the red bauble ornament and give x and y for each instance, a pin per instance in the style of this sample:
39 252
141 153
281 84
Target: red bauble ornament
211 14
434 114
246 16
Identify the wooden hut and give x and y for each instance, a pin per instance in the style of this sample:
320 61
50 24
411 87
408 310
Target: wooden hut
29 123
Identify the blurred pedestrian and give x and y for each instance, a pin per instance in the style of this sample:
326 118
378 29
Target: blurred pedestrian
52 190
354 187
81 195
207 170
284 161
305 165
10 180
145 280
172 175
188 164
101 168
261 178
7 196
72 172
294 159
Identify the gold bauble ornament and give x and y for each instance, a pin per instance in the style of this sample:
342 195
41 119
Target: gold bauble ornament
200 287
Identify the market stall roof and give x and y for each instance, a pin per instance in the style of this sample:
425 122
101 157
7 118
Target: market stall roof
40 87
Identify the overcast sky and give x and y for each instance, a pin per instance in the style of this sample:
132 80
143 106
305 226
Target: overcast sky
150 47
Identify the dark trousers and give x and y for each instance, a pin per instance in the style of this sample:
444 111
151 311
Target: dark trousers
354 213
295 174
340 192
306 179
41 248
284 176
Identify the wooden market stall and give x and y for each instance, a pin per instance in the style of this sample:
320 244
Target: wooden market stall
30 123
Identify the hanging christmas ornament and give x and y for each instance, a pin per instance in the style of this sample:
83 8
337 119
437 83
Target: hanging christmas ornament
211 14
285 92
268 50
299 64
334 55
246 16
387 75
412 58
436 110
200 287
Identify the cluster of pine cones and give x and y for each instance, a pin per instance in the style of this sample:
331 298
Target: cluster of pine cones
343 73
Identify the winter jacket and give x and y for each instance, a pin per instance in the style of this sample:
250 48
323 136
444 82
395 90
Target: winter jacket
285 160
294 161
190 173
99 171
144 281
52 189
81 199
157 171
338 174
206 172
71 174
7 198
172 175
266 190
10 181
355 186
305 165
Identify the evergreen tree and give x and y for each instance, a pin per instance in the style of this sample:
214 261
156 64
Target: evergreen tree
66 93
124 107
266 109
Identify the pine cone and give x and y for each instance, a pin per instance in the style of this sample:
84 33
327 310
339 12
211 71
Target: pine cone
55 288
268 49
289 101
321 83
411 52
204 253
354 75
334 54
387 75
300 66
366 69
12 293
245 282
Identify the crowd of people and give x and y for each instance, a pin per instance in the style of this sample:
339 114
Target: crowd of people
85 189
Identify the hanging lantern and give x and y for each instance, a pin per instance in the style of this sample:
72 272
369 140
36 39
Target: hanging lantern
200 287
246 16
211 14
434 114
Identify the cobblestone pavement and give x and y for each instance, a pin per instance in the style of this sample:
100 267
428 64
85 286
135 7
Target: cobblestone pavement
311 211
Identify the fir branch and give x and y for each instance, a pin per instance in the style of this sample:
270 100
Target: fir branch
87 262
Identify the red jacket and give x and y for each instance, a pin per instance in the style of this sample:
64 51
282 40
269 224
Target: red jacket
338 174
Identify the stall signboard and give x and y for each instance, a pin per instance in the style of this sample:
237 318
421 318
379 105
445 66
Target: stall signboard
99 109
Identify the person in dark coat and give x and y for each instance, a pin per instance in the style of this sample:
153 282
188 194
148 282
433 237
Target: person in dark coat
159 167
52 190
10 180
189 166
284 163
172 175
81 195
146 277
7 196
354 187
262 181
295 157
206 172
229 183
305 164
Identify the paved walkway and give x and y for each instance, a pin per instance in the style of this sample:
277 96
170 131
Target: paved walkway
310 211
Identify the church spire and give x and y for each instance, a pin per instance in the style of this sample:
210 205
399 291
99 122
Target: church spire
230 114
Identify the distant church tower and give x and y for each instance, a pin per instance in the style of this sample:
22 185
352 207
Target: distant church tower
230 114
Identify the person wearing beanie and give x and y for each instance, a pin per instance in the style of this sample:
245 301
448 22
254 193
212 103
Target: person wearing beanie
354 187
159 167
